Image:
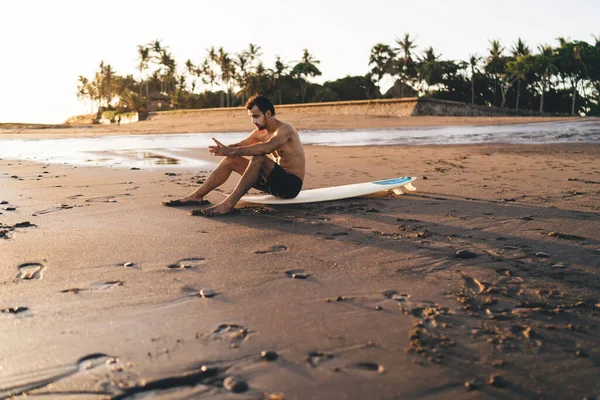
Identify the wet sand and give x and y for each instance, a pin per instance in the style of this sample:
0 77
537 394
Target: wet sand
101 286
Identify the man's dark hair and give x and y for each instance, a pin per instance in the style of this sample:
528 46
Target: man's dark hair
262 102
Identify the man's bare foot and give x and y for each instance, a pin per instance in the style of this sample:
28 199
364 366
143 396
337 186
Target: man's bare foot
220 209
186 201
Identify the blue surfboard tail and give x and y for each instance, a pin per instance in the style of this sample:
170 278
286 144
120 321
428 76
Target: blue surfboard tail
394 181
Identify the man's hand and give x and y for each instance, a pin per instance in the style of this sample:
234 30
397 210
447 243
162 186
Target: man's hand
221 150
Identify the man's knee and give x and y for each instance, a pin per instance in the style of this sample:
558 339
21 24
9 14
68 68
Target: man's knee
258 159
231 160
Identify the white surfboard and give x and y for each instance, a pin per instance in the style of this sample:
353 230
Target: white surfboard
338 192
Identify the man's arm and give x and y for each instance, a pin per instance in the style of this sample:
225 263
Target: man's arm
278 140
250 140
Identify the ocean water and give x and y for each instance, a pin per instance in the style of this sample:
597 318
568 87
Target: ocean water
190 149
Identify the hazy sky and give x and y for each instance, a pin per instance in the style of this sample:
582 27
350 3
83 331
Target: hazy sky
46 45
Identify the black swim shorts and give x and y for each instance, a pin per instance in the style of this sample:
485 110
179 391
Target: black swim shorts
280 183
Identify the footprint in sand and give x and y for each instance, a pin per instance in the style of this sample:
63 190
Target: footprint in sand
273 249
316 358
232 333
105 199
366 366
13 310
57 207
188 263
95 286
29 271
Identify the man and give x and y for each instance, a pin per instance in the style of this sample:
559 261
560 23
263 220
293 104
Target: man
281 174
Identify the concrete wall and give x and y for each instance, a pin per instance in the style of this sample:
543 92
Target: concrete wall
405 107
126 118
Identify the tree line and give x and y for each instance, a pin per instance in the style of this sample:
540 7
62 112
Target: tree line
564 78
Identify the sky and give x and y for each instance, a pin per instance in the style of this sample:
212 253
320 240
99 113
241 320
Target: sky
46 45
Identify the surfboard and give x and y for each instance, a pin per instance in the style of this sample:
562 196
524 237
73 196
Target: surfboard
338 192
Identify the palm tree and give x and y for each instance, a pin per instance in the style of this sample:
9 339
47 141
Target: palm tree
429 68
406 45
473 63
190 70
253 53
241 62
244 62
167 60
573 59
276 74
207 74
143 60
580 66
83 91
304 70
495 65
382 57
519 50
227 70
219 58
104 78
544 68
158 52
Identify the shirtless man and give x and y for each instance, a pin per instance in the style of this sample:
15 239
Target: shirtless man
276 164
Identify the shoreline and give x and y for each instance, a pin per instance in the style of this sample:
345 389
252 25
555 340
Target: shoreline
240 123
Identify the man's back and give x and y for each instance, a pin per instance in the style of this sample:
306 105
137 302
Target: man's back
290 156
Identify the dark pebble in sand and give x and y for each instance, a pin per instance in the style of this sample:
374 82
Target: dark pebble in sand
3 202
14 310
170 174
425 177
25 224
235 384
497 381
134 169
465 254
581 353
527 218
378 308
207 293
472 386
269 355
541 254
367 366
9 208
296 274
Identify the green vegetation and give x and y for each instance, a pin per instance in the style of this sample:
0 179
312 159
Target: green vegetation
562 79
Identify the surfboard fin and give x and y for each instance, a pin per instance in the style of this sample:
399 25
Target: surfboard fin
397 191
410 187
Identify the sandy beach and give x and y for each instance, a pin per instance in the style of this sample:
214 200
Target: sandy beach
482 284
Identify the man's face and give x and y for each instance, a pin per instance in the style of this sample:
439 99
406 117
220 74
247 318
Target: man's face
258 118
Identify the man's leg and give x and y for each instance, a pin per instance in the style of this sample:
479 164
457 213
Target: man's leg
218 177
258 165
